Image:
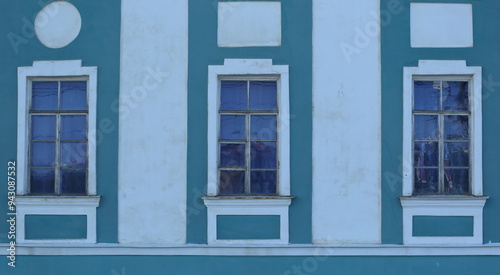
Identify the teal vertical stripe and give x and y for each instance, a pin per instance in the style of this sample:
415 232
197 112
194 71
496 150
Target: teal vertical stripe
295 51
231 227
55 227
98 44
443 226
396 54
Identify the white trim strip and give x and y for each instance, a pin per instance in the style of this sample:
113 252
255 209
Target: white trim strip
271 250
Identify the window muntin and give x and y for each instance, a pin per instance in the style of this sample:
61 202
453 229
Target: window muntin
58 147
248 162
441 136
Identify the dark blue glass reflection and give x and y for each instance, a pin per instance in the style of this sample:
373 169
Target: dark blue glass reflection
263 127
263 95
44 95
233 95
73 154
232 127
426 154
456 154
232 155
73 127
232 182
456 127
456 181
455 95
425 127
43 154
42 181
73 181
426 181
43 127
426 95
263 155
73 95
263 182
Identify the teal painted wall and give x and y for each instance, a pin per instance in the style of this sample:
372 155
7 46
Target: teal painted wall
397 53
296 51
98 44
56 226
180 265
433 226
248 227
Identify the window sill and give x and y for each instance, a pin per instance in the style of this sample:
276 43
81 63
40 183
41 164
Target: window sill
247 200
54 206
63 201
443 206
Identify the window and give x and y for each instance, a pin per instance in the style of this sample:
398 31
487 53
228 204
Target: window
442 143
56 144
441 139
248 145
58 137
248 137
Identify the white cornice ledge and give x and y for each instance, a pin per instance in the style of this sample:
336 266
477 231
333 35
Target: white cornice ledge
443 201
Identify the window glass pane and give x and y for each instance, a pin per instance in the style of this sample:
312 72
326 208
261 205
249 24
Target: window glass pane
455 95
73 181
43 154
232 127
73 95
425 127
44 95
73 154
232 182
456 127
263 127
263 155
263 95
232 154
74 127
42 181
426 154
233 95
456 181
426 181
426 95
263 182
43 127
456 154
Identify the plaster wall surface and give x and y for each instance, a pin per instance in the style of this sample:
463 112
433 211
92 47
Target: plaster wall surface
441 25
244 24
153 122
346 122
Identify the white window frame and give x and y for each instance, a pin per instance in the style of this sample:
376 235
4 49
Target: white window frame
248 204
443 204
57 204
58 123
440 114
249 113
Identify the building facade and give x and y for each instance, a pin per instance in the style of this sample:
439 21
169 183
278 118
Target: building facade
251 137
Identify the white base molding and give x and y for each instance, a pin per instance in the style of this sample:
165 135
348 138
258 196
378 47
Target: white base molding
443 206
51 205
265 205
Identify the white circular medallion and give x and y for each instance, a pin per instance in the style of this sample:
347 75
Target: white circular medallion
58 24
